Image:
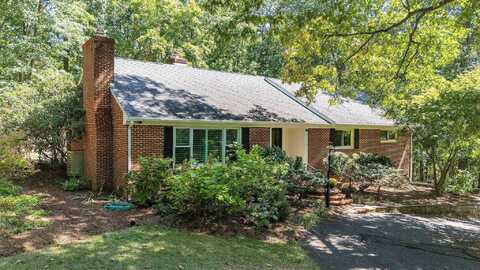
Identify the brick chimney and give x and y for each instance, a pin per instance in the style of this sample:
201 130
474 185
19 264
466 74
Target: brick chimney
176 59
98 64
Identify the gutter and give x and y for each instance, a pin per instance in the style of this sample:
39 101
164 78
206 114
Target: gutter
294 98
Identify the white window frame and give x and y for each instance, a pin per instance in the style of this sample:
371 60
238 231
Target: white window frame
224 140
388 140
352 139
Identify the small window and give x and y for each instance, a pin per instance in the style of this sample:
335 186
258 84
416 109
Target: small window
182 145
388 136
276 139
343 138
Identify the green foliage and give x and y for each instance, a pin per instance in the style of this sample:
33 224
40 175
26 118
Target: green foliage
340 164
462 182
40 70
249 187
299 180
74 184
57 119
310 219
144 185
18 213
366 169
13 165
417 60
274 154
8 189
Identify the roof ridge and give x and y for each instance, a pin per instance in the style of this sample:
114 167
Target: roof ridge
186 66
294 98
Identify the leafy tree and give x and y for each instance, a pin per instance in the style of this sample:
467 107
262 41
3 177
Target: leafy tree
40 64
414 58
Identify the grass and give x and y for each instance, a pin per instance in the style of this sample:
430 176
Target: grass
151 247
18 213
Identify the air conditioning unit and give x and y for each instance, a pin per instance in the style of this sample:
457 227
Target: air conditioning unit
75 163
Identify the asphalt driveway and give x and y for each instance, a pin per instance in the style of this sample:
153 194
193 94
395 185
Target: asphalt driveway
395 241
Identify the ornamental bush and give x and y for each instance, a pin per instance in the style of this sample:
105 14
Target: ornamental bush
366 169
462 182
74 184
13 164
249 188
299 180
143 185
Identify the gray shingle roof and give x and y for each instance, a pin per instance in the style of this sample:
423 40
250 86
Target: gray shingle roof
147 90
347 112
171 92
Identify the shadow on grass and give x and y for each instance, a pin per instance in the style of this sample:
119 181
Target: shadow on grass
157 248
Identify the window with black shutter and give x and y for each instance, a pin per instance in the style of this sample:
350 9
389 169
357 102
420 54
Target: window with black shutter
276 137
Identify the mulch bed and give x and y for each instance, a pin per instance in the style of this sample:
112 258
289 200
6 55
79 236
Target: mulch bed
73 216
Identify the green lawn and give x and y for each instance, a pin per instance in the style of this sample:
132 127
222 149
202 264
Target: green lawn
153 247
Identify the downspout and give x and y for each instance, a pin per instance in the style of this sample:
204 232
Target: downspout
411 157
129 147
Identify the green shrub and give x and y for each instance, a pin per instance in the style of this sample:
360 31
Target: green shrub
462 182
313 218
13 164
8 189
366 169
248 188
144 185
273 153
299 180
74 184
341 164
365 159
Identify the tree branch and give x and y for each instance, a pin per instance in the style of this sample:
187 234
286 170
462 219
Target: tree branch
409 45
409 15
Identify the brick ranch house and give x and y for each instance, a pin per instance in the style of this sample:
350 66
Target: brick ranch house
135 108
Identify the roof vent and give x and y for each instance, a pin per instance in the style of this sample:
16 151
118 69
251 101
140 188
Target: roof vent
176 59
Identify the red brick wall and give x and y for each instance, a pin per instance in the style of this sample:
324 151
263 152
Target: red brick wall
98 140
398 152
120 145
146 141
318 140
259 136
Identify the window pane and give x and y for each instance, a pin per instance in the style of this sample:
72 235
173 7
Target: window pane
182 154
232 136
347 138
199 147
384 135
337 139
182 137
392 135
215 143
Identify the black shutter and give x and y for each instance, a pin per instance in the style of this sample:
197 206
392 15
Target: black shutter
246 139
276 137
332 135
356 138
168 142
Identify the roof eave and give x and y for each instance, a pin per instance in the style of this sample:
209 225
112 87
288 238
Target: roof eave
238 123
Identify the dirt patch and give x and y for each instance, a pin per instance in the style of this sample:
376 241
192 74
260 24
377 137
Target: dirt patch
73 216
